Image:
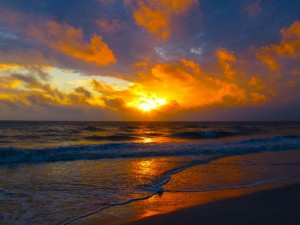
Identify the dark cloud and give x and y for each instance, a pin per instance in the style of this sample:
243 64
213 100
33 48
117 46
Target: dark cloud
83 91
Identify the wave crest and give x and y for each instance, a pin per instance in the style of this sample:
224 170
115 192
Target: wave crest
9 155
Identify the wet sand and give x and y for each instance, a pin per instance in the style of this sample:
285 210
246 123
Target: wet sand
275 206
276 201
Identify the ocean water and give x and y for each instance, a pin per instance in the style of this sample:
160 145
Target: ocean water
58 172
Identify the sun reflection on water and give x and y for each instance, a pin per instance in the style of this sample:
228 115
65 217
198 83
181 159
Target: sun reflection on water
147 140
146 167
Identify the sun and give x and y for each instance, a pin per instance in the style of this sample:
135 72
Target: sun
148 103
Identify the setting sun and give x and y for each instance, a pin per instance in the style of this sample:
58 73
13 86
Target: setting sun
148 103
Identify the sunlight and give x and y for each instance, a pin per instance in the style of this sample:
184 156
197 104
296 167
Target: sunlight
148 103
145 167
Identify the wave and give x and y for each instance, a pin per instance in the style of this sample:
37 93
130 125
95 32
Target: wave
116 137
91 128
11 155
270 139
203 135
26 137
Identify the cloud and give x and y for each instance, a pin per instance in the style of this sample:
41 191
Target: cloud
163 78
289 46
257 83
268 59
70 41
225 59
30 58
30 89
61 37
110 26
156 15
83 91
171 88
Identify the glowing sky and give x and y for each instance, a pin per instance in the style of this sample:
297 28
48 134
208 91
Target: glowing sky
150 60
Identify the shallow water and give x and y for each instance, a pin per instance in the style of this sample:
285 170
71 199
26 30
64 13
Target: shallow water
57 172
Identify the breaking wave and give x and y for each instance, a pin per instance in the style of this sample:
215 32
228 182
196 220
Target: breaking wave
11 155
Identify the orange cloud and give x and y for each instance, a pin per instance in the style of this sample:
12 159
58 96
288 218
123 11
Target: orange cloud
70 41
290 43
268 59
183 86
61 37
225 59
156 15
257 83
289 46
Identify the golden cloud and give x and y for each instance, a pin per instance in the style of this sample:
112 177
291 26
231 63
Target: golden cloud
156 15
183 86
31 89
61 37
225 59
70 41
289 46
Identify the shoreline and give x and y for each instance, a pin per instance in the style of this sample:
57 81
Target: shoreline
170 202
276 206
169 207
271 206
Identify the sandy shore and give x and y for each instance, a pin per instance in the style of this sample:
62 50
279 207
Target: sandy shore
276 206
268 204
274 202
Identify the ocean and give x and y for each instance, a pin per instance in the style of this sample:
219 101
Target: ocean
59 172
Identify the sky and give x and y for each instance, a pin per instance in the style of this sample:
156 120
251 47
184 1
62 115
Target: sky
198 60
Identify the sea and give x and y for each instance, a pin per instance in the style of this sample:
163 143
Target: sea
55 173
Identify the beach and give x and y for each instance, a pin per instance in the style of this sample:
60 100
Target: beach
271 203
276 206
256 203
